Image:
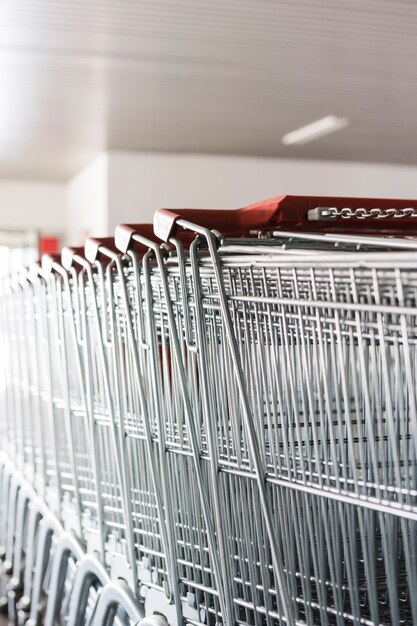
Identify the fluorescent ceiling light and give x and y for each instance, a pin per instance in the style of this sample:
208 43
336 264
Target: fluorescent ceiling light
315 130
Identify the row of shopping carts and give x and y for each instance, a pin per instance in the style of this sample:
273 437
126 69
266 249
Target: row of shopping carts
213 421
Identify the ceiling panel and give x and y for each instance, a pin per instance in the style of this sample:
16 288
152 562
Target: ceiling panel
228 77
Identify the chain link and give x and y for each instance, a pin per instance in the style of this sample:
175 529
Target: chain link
328 213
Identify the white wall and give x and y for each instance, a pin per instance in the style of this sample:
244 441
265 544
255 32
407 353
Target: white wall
128 187
32 205
139 183
87 202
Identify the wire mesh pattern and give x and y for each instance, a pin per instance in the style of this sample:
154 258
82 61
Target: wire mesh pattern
326 356
230 422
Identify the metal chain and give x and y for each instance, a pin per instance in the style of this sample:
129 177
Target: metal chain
326 213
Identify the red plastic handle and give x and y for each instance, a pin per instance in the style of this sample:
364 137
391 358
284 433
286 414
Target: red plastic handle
30 274
92 247
123 236
69 255
224 220
22 276
290 213
36 271
48 261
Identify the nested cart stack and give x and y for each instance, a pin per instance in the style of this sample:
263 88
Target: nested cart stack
213 421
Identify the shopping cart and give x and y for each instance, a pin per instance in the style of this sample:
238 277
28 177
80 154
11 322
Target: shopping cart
306 374
168 427
120 395
45 429
226 420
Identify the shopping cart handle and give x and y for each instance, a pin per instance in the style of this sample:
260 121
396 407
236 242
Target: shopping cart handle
69 254
48 261
33 270
23 275
123 236
309 213
36 271
93 245
229 222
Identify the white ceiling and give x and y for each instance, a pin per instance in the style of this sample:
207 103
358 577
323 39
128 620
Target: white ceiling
216 76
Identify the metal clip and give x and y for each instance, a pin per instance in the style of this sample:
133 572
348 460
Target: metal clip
321 213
